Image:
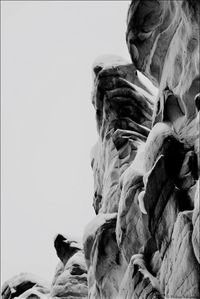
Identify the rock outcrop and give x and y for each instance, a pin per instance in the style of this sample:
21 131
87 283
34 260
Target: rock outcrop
25 285
144 242
123 113
104 260
70 280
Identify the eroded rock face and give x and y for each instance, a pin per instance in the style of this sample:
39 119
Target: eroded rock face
163 40
144 241
104 260
70 279
123 112
25 285
146 161
124 108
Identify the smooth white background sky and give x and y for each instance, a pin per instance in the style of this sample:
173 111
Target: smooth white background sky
48 122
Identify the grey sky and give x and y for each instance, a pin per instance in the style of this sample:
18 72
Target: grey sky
48 122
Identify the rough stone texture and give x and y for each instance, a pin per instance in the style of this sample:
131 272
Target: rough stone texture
25 285
131 229
144 242
196 225
104 260
138 282
123 113
70 279
146 162
163 39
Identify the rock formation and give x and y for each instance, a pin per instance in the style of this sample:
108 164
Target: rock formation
145 239
25 285
70 279
144 242
123 113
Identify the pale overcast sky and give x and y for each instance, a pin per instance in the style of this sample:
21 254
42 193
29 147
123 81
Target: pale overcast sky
48 122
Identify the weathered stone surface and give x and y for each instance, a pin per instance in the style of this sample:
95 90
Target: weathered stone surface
196 224
138 282
65 247
25 285
35 293
104 261
70 279
172 228
132 231
163 39
179 273
145 240
146 170
123 113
